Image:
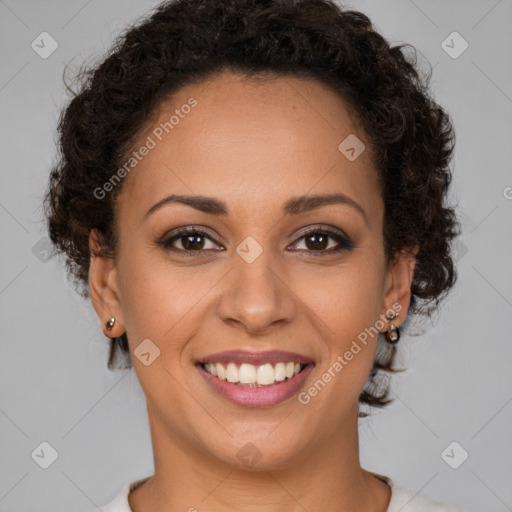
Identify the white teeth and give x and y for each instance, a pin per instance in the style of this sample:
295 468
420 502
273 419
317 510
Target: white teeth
266 375
248 374
232 373
221 372
290 367
280 372
212 369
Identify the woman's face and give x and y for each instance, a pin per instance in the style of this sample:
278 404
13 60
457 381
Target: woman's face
256 281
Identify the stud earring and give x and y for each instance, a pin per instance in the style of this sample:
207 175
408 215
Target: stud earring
110 324
393 335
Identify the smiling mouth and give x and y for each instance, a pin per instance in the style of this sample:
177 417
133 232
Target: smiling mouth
252 376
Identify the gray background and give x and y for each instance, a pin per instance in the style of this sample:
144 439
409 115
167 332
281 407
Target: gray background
54 384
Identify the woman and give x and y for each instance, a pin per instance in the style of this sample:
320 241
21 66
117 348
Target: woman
252 193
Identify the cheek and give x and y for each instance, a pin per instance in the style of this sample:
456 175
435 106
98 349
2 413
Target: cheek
147 297
346 307
347 299
161 301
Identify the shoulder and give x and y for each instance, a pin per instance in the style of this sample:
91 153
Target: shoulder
405 500
120 502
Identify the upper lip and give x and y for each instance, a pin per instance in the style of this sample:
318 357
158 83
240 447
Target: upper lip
255 358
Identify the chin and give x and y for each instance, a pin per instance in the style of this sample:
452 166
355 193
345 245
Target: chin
259 452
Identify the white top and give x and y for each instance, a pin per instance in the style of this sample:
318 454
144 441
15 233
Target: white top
402 500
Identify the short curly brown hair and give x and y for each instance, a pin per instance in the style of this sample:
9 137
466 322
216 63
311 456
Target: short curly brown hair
187 41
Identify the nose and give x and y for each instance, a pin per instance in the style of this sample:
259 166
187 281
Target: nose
257 296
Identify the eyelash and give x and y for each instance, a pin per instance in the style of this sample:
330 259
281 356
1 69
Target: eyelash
344 242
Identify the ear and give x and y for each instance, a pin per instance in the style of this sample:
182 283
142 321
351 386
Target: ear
103 287
398 282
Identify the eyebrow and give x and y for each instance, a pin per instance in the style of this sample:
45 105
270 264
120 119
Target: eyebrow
293 206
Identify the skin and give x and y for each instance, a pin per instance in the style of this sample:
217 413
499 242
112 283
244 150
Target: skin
254 146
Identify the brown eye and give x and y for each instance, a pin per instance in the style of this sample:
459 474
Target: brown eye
191 240
318 241
194 242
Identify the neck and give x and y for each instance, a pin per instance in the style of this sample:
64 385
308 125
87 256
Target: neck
327 476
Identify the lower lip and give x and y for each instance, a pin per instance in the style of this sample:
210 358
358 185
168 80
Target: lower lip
257 396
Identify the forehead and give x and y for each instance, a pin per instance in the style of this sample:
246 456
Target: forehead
244 140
